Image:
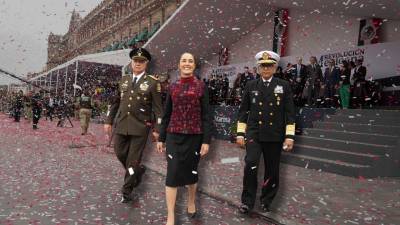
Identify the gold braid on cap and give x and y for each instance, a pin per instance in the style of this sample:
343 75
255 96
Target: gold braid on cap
265 56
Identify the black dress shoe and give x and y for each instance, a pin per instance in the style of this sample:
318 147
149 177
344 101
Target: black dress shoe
138 180
192 215
265 208
125 199
244 209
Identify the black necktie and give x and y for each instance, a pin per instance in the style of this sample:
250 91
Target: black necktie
266 83
134 81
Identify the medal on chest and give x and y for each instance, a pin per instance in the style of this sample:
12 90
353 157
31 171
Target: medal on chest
144 86
124 85
254 98
278 89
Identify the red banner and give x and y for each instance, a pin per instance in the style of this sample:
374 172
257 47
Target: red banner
281 31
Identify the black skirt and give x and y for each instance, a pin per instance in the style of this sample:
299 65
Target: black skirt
183 156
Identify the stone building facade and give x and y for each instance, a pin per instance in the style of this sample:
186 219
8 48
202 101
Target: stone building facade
111 22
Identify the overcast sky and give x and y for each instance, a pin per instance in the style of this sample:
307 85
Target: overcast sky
24 28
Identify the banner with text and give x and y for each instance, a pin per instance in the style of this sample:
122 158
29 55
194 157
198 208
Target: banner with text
382 60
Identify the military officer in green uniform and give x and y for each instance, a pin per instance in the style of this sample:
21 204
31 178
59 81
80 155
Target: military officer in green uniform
134 112
85 111
266 119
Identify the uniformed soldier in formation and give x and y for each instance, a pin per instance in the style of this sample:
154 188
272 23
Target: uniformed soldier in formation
265 126
36 109
85 111
18 106
132 115
28 107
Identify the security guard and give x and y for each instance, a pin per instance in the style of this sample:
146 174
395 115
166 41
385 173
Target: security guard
85 111
132 112
18 106
36 103
266 118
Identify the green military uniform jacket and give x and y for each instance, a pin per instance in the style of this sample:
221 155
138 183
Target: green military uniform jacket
135 108
85 102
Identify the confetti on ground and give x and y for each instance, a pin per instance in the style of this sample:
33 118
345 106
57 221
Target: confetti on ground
43 181
230 160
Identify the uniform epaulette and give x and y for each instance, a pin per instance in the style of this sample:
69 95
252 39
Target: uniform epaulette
155 78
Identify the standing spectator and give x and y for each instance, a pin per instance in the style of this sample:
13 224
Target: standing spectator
28 107
225 88
279 73
85 112
344 84
375 91
18 106
331 83
244 78
36 109
220 91
300 72
360 89
289 73
212 88
352 66
49 106
352 72
256 75
313 82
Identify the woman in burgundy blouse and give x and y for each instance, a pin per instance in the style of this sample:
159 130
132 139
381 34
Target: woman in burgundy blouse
185 132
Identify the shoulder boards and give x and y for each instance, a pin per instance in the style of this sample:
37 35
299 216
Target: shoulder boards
153 77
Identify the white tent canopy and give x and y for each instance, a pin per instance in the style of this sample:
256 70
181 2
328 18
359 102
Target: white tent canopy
120 58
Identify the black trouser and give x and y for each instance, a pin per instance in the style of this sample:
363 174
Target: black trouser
297 93
50 113
312 94
36 115
129 151
330 92
359 94
272 153
17 114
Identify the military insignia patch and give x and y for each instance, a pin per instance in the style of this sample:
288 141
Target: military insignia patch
265 56
278 89
124 86
144 86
